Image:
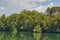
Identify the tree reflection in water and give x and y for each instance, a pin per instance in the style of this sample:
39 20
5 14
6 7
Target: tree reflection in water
51 36
28 36
37 36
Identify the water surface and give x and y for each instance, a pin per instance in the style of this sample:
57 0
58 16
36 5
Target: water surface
28 36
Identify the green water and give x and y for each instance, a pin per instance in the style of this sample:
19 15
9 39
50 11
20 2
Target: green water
28 36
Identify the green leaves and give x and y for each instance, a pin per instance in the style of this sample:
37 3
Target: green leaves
31 20
37 28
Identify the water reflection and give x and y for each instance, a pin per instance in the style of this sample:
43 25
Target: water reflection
51 36
28 36
37 36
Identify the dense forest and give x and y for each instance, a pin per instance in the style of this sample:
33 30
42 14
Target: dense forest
32 21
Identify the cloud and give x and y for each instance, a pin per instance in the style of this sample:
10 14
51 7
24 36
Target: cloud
1 8
37 0
42 8
24 3
12 6
51 4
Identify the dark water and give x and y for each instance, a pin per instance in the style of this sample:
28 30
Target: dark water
28 36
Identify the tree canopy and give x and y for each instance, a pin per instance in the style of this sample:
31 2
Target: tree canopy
28 20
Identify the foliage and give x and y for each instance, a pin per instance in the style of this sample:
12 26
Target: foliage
28 20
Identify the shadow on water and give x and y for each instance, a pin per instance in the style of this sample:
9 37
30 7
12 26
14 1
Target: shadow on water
28 36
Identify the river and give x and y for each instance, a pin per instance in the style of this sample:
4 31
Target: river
28 36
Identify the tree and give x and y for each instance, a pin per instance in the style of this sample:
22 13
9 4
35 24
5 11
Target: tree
37 28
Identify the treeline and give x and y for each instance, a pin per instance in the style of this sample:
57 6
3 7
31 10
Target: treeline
32 21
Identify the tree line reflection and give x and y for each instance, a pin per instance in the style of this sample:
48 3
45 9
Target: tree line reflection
28 36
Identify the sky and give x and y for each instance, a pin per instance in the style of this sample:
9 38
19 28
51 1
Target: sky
8 7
